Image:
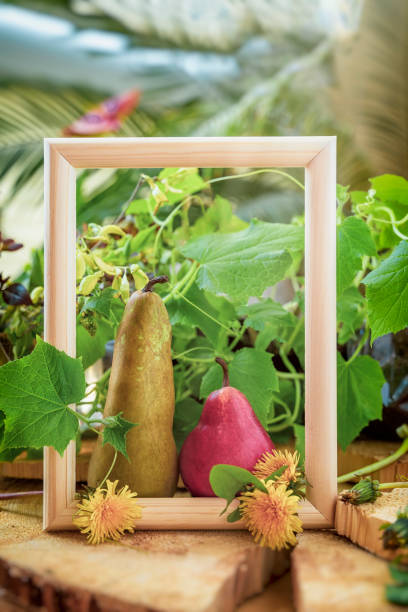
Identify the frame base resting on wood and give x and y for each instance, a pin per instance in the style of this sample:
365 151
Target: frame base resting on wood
361 524
318 156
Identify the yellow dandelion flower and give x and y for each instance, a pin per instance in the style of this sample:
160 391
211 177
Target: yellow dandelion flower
106 514
272 518
270 462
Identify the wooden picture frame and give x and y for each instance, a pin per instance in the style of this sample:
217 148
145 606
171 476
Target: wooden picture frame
318 156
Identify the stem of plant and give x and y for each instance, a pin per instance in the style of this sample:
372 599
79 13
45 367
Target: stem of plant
175 288
378 465
82 417
237 338
195 348
163 225
392 485
194 268
230 331
261 171
110 469
290 375
360 346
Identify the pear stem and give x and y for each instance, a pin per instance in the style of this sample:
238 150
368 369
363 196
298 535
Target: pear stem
158 279
223 364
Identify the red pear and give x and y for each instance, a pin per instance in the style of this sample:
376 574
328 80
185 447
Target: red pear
228 432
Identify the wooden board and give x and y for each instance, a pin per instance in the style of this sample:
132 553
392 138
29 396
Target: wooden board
155 571
331 574
361 524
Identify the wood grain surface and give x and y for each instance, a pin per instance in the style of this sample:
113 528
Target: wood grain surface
361 524
329 574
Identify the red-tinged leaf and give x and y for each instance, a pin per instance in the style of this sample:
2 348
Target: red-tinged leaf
16 295
8 244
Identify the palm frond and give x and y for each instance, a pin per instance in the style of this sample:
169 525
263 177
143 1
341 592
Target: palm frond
30 114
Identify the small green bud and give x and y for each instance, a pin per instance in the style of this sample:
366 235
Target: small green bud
402 431
37 295
124 287
363 492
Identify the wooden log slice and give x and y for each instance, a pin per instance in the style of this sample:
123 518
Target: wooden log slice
329 574
147 571
361 524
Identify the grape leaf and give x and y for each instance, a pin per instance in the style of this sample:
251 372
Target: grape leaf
36 392
107 304
115 431
358 395
218 218
391 187
267 314
91 348
7 454
387 293
192 312
245 263
353 241
253 373
186 417
350 314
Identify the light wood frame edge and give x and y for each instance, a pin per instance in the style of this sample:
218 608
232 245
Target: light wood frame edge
318 156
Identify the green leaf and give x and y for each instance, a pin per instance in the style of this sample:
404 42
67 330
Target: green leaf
244 264
391 187
268 315
234 516
186 417
358 396
142 239
108 304
300 441
175 183
397 594
387 293
91 348
7 454
277 473
353 241
36 392
115 431
253 373
218 218
398 573
342 194
227 480
202 311
350 313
